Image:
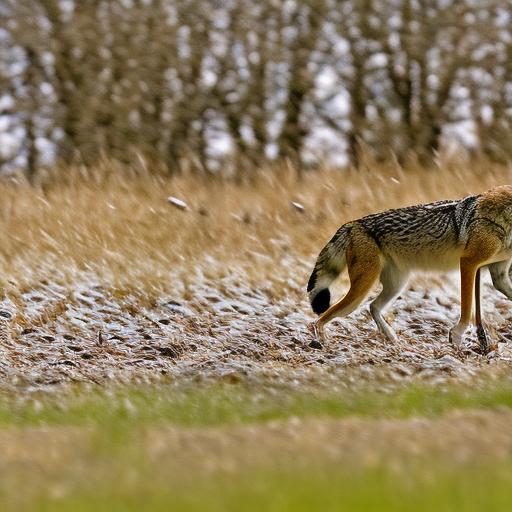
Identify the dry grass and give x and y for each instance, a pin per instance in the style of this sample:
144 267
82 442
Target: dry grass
122 228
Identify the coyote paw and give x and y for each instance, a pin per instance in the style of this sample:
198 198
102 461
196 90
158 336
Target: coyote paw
485 346
389 334
455 339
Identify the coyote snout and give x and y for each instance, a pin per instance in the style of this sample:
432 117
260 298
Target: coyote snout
468 234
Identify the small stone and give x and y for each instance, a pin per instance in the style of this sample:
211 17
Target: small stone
300 208
168 351
178 203
316 344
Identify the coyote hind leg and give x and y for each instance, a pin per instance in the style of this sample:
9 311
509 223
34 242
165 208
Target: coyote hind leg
501 278
364 266
393 281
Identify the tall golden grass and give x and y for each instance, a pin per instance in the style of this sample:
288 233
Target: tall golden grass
114 223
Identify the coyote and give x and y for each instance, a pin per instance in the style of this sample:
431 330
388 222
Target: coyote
469 234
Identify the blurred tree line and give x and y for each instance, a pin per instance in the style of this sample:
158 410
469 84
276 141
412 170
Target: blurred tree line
204 84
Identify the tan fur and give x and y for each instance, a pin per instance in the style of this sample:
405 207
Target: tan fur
364 266
469 234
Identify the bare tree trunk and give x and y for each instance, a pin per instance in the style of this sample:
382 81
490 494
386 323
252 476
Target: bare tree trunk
300 83
32 86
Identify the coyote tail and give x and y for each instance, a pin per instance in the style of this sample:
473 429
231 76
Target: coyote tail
329 264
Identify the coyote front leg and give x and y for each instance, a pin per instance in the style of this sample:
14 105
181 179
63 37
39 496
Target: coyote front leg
480 329
479 249
393 281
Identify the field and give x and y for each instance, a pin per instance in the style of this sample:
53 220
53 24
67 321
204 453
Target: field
155 355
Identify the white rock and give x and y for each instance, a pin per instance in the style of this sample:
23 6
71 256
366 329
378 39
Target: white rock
182 205
297 206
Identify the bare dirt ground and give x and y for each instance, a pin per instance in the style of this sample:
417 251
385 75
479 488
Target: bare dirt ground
234 332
